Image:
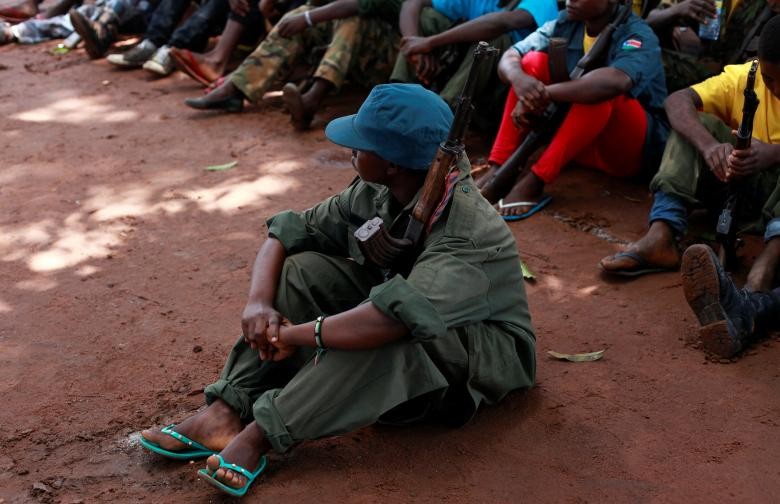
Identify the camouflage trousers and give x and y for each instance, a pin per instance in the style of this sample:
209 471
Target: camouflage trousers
683 70
359 49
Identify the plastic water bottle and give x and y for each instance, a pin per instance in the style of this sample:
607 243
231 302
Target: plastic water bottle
711 30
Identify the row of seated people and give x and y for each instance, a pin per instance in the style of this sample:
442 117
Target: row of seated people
619 120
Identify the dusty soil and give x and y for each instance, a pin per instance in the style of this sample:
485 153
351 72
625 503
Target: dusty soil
124 266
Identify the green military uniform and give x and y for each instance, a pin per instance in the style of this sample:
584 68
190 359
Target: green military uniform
466 345
490 91
683 69
685 174
361 47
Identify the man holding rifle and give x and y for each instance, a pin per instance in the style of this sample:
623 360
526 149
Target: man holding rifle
700 162
329 345
613 123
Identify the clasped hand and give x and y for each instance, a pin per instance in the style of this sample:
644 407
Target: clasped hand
532 100
262 325
728 163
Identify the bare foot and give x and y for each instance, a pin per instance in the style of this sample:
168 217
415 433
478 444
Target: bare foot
657 248
300 114
762 274
19 11
213 427
210 66
529 187
244 450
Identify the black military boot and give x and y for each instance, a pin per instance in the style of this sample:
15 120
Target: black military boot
98 35
730 318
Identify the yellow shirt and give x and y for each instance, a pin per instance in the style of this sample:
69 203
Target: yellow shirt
587 41
723 96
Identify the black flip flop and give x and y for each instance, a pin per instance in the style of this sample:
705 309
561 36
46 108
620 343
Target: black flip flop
642 267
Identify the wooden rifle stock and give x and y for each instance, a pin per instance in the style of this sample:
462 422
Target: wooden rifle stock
376 242
726 228
552 117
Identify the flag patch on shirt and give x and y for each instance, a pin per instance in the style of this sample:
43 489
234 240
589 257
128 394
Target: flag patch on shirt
632 45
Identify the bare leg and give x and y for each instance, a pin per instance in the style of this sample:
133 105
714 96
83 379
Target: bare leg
487 176
215 61
528 187
213 427
764 270
657 247
244 450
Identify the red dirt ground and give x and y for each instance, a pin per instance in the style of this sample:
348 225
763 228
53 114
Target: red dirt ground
124 266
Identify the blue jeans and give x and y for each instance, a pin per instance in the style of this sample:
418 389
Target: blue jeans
670 209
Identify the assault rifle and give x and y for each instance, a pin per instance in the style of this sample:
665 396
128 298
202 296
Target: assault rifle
726 229
553 116
398 254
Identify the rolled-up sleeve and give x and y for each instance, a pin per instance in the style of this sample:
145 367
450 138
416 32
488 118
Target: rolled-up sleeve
322 228
539 40
444 289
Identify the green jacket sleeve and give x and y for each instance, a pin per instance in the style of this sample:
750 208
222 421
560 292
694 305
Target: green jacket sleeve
322 228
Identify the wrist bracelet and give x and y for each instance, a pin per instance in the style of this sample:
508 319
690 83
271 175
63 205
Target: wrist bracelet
307 16
318 338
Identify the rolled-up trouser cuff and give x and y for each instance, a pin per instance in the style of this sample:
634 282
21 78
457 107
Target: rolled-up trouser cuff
236 398
670 209
772 229
267 416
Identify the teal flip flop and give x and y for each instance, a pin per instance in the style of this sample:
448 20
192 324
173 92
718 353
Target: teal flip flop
196 450
208 477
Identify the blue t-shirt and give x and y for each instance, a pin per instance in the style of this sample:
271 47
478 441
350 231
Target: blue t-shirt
466 10
634 49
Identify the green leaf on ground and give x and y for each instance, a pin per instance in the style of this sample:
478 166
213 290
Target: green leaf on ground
60 49
222 167
579 357
527 273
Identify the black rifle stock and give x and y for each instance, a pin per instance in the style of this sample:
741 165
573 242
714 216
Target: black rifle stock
376 242
726 228
503 179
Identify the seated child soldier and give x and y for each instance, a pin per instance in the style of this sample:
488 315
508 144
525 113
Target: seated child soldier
730 318
398 350
428 29
361 44
700 162
688 58
614 123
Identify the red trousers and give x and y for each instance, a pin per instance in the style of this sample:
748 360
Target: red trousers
608 136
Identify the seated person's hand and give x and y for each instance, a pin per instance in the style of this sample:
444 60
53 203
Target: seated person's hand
290 26
269 10
716 156
697 11
415 45
259 323
521 117
240 7
280 350
426 66
744 162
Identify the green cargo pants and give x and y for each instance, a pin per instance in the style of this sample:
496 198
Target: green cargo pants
685 174
488 91
296 400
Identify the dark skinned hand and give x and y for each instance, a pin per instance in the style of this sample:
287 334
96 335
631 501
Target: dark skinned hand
240 7
426 67
292 25
281 350
744 162
259 323
415 45
268 9
696 10
716 156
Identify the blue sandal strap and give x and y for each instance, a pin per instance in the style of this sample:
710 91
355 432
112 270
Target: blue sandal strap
181 438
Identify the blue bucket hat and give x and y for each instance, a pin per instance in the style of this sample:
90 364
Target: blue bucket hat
401 123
